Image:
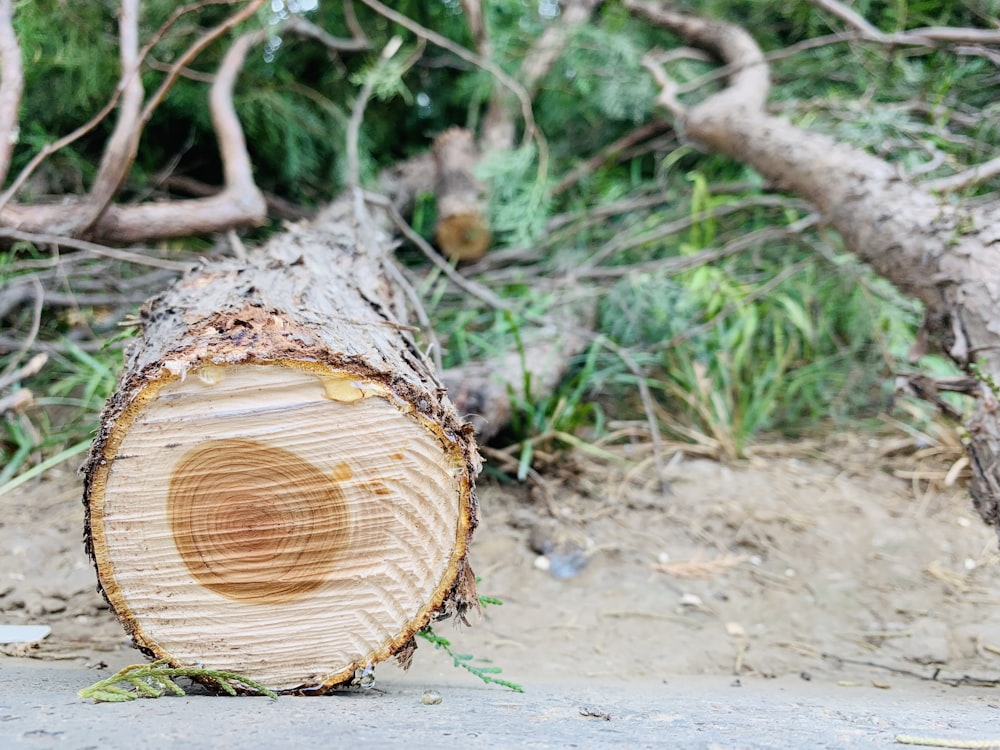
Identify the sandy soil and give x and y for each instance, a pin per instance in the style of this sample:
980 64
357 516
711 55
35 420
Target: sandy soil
846 563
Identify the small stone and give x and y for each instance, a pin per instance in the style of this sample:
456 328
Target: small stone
691 600
430 698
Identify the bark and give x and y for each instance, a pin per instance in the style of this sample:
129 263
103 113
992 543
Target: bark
462 230
945 255
280 486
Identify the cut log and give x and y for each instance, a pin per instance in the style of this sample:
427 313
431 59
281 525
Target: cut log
280 486
462 231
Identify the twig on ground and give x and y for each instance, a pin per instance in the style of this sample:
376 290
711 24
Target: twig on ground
647 405
909 739
970 178
611 152
935 676
32 367
95 249
36 323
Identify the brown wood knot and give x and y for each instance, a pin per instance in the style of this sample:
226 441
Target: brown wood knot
256 523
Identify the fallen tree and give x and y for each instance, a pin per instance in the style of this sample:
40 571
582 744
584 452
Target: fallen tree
279 448
944 254
280 486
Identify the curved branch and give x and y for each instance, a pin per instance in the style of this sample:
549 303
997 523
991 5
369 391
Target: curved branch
108 107
123 143
880 215
237 168
240 204
306 29
11 86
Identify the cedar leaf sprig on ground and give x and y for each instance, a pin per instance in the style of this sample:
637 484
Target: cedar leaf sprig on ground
156 679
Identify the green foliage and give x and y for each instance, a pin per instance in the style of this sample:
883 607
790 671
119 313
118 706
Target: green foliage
778 341
466 661
519 197
775 339
547 421
156 679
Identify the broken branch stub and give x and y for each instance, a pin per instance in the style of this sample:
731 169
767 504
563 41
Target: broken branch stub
462 230
280 486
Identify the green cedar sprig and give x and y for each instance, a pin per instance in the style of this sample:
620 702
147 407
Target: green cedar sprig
156 679
486 674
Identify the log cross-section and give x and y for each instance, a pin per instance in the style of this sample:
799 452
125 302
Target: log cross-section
280 486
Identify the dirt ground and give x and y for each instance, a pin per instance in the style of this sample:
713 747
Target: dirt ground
855 562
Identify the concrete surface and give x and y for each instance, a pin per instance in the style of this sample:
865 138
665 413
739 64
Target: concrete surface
39 708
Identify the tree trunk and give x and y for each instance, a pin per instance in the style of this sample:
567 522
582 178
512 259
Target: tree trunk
280 486
947 256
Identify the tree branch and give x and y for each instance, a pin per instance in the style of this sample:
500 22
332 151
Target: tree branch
498 123
308 30
944 255
11 86
239 204
531 131
927 35
973 177
123 143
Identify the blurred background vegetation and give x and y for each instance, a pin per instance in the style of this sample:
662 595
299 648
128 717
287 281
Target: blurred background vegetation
784 335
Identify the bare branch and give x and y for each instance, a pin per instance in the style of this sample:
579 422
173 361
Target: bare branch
277 207
351 19
95 249
470 287
973 177
473 10
498 123
927 35
237 168
851 18
11 86
239 204
611 152
308 30
33 367
109 107
531 131
191 53
123 143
